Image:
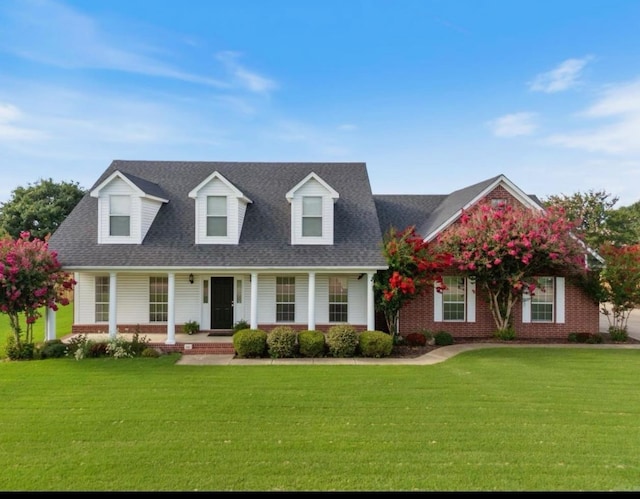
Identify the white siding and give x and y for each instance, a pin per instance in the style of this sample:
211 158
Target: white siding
322 299
357 300
266 299
312 188
84 298
150 209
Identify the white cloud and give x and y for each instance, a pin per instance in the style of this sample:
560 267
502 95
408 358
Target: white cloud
513 125
621 106
563 77
9 130
247 79
57 35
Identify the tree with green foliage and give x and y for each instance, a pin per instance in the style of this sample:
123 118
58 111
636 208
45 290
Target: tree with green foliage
620 280
39 208
413 267
591 212
505 249
624 223
30 278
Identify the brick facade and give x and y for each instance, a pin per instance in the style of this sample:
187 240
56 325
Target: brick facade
581 316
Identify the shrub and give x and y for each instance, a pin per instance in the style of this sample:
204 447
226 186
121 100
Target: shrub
240 325
150 352
52 349
281 342
250 342
342 340
618 334
24 351
311 343
416 339
442 338
585 338
375 344
505 334
191 327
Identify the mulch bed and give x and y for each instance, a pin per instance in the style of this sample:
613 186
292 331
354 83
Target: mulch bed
404 351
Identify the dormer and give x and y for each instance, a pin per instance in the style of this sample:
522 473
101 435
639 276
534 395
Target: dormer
312 201
220 208
127 206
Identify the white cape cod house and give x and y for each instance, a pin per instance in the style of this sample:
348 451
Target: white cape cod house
156 244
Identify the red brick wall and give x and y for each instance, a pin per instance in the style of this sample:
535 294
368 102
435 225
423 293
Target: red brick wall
581 315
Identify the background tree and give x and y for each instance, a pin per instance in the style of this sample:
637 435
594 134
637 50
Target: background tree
621 284
505 248
591 211
30 278
413 267
39 208
624 224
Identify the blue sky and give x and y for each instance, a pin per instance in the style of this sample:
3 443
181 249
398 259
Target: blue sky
432 95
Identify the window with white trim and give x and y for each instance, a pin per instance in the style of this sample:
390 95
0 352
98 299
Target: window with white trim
158 299
543 300
285 299
453 299
312 216
119 215
217 216
102 298
338 299
498 202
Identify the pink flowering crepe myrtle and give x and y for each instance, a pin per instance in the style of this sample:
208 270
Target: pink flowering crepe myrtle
505 248
30 278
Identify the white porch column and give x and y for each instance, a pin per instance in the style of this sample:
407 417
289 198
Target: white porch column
171 310
254 300
50 324
312 302
113 309
371 309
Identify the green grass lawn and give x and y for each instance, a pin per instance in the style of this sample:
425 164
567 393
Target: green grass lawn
525 419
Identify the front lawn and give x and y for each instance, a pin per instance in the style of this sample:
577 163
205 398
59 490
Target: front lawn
522 419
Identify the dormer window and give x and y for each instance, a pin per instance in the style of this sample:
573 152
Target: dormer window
216 216
127 207
220 208
119 215
312 201
311 216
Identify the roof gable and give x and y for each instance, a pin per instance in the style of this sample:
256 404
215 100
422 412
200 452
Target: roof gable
141 187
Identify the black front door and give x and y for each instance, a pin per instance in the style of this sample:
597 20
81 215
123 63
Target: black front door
221 302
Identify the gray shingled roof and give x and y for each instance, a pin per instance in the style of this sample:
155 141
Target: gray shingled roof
266 234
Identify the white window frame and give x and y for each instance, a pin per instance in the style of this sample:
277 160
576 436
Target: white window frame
101 310
543 298
285 301
338 299
558 304
470 302
215 212
119 211
158 298
312 216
